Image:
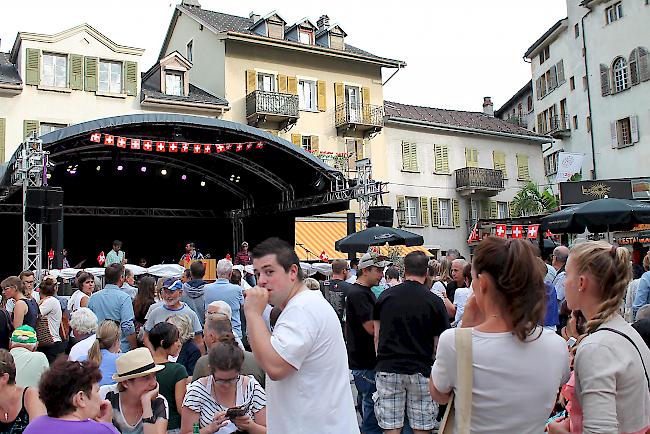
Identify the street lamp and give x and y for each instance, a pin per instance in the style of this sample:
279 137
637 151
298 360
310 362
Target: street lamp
401 215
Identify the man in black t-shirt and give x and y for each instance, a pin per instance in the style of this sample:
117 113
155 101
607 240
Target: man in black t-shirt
336 289
359 330
408 319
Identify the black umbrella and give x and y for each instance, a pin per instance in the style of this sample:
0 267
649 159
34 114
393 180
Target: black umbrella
601 215
377 236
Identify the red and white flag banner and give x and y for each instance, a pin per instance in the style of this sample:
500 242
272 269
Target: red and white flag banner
532 232
517 231
500 231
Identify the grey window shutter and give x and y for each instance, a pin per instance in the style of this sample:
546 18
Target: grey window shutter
634 129
560 72
644 66
614 134
553 82
32 66
633 63
538 88
131 78
605 89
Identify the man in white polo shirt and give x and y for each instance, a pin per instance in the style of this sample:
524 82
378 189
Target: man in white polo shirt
308 387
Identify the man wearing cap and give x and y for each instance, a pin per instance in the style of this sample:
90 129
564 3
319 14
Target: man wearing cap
359 329
30 364
172 305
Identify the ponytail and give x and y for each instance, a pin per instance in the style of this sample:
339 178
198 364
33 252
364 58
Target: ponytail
107 334
95 353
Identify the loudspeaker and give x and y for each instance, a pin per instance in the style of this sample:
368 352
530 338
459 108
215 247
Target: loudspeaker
44 205
380 215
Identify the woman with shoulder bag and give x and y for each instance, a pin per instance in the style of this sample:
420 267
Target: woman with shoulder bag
611 385
511 368
50 308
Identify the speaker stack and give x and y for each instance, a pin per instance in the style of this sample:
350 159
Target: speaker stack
44 205
380 216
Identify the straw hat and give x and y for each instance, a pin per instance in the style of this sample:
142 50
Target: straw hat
136 363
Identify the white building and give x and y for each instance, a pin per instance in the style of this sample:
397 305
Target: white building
448 168
519 109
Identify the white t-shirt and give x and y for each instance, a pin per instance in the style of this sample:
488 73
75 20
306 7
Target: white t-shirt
438 288
460 299
51 308
316 399
81 348
74 302
515 383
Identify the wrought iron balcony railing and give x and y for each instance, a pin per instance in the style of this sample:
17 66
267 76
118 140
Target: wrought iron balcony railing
279 105
479 179
559 123
360 114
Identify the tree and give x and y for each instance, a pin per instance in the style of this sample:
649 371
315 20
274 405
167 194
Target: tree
531 201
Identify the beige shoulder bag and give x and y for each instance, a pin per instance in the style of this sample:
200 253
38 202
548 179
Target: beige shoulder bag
460 406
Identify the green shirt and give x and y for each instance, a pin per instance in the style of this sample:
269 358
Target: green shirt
114 258
167 379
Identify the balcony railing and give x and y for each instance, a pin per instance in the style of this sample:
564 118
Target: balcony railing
271 106
519 120
363 116
477 179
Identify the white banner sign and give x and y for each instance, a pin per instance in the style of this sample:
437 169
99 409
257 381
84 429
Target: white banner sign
568 164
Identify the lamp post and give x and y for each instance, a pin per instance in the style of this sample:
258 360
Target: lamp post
401 216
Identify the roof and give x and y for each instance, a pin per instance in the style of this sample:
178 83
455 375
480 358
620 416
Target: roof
221 23
197 95
454 118
528 87
543 38
8 72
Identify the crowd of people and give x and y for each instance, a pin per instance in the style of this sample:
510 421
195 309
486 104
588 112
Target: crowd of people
507 342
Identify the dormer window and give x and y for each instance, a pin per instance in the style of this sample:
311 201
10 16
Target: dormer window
306 36
174 83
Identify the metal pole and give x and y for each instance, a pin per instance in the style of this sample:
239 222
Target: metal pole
33 169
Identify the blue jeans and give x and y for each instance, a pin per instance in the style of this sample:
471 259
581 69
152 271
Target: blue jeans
364 380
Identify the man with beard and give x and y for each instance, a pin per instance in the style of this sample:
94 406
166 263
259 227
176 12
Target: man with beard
305 360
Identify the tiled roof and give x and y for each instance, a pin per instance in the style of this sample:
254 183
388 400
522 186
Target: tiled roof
8 72
232 23
453 118
197 95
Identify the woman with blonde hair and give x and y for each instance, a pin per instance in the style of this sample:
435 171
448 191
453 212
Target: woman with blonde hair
189 353
105 350
610 389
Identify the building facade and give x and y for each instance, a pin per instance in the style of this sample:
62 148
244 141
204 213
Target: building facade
519 109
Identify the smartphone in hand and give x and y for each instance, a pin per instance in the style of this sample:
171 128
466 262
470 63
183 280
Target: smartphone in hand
235 412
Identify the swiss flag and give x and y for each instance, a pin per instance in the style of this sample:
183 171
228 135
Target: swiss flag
160 146
473 236
517 231
249 146
207 148
549 234
228 257
532 232
50 254
239 147
121 142
500 231
135 143
228 146
109 140
220 148
95 137
101 258
185 147
147 145
260 145
197 148
324 257
173 147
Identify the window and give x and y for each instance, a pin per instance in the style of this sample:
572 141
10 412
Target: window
412 211
544 54
572 83
620 74
625 132
624 136
48 128
614 12
266 82
409 157
307 95
473 212
530 103
502 210
550 164
306 143
173 84
576 30
55 70
444 210
188 51
575 122
110 77
306 37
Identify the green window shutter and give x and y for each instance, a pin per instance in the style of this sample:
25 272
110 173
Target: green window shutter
29 127
437 156
424 211
441 158
76 72
522 168
3 130
494 209
435 213
445 159
456 205
500 162
130 78
406 156
401 217
511 210
485 209
414 157
91 73
32 66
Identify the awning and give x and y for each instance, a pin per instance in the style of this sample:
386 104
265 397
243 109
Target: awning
314 237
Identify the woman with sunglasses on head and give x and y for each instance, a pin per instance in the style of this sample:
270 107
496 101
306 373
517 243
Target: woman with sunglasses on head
610 390
208 399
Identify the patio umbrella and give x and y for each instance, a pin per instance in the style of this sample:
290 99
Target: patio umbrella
377 236
601 215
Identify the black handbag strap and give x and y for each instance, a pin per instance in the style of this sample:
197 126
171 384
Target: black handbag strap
632 342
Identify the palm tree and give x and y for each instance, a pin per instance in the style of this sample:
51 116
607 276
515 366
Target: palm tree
531 201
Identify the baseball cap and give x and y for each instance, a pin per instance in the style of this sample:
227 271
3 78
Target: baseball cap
173 284
373 259
24 335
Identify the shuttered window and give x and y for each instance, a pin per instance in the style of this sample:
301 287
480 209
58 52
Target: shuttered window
444 210
441 155
54 71
424 210
91 65
401 205
413 211
29 127
409 157
321 90
456 215
32 66
471 157
110 78
523 173
500 162
435 213
76 72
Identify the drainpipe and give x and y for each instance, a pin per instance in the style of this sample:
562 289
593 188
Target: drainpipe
399 66
591 131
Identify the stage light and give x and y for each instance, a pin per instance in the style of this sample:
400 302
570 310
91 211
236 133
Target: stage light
163 172
98 168
49 176
184 177
143 169
202 183
120 167
72 169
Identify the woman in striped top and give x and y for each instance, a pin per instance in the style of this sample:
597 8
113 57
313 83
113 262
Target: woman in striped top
208 398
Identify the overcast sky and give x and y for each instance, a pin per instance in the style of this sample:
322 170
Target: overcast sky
456 51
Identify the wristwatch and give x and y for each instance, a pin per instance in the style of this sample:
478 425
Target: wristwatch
151 419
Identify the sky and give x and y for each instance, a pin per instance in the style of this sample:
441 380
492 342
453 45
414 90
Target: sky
457 51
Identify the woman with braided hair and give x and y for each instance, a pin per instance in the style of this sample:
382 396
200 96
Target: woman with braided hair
611 386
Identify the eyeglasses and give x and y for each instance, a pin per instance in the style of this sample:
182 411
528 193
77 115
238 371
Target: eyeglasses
225 380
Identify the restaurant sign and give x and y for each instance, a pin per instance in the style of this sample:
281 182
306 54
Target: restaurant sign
572 193
629 239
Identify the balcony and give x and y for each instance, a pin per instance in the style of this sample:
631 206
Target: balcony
519 120
559 126
263 107
365 118
473 180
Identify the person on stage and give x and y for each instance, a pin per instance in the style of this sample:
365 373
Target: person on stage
191 254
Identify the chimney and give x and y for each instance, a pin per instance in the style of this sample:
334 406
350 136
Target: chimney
191 3
254 17
323 22
488 107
